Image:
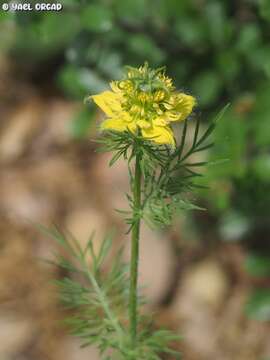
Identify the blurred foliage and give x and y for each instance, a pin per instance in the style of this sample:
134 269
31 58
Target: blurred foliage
258 265
217 49
258 306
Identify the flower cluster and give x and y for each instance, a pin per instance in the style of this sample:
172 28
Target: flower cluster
145 101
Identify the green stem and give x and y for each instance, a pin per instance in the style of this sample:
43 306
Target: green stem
135 252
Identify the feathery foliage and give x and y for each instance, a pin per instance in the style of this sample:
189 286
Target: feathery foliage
98 300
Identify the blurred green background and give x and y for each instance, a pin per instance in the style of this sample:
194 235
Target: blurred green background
217 50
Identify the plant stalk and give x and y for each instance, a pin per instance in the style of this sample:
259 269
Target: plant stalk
135 252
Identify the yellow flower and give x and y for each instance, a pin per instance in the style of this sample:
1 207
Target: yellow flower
145 101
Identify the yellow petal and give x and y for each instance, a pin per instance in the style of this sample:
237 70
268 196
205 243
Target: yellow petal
125 116
174 116
160 121
109 102
143 124
184 106
159 134
117 125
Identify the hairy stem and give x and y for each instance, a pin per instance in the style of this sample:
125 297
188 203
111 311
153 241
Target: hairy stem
135 251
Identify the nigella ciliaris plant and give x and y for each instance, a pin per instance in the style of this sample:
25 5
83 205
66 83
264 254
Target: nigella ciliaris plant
107 309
